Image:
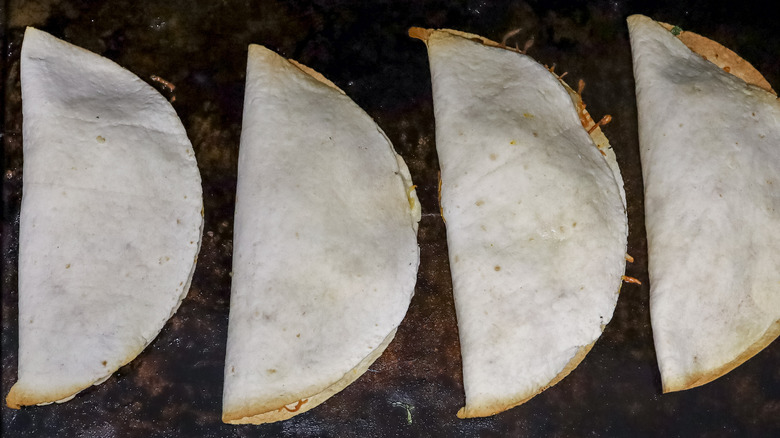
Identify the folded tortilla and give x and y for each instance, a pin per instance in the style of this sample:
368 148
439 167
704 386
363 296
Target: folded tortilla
710 151
110 223
325 244
536 223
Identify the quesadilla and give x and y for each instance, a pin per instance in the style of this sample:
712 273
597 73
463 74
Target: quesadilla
325 244
535 216
110 224
710 151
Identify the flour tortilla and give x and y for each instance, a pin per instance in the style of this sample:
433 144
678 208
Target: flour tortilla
110 223
325 244
710 154
536 225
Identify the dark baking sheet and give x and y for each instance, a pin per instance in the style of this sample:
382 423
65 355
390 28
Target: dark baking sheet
174 387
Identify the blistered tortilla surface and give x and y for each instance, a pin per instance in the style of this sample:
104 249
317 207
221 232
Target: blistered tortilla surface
325 250
111 219
536 226
710 151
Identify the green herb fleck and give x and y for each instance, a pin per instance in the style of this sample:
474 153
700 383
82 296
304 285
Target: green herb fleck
409 409
676 30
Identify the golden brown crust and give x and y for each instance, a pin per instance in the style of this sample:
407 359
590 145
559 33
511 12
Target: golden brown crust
18 397
722 57
496 408
425 34
282 410
438 191
315 74
698 379
420 33
268 413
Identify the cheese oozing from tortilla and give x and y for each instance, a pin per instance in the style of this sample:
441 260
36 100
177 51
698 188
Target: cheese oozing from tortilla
536 225
710 151
325 248
111 219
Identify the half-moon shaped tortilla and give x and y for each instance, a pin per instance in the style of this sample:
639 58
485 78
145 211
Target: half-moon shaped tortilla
710 151
110 224
325 244
536 224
